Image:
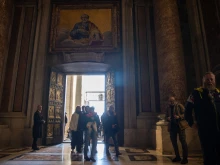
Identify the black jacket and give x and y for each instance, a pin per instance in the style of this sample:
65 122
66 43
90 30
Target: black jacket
37 128
202 108
108 121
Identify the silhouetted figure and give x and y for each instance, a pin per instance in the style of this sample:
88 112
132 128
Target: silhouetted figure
203 113
111 127
37 127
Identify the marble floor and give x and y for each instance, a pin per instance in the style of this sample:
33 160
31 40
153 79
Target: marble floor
61 154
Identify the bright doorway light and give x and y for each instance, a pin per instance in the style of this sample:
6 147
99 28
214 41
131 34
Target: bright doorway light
92 87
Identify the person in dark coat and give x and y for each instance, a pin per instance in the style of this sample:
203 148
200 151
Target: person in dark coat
203 113
103 119
37 128
66 119
110 125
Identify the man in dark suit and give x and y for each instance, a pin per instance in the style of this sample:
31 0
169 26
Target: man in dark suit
37 128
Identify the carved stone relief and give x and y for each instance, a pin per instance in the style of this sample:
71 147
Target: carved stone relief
49 130
52 94
51 112
59 96
53 77
110 89
57 129
57 113
60 79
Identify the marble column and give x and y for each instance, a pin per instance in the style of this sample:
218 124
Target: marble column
70 95
70 102
5 21
171 68
78 90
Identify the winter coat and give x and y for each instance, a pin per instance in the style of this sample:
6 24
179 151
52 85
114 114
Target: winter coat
37 127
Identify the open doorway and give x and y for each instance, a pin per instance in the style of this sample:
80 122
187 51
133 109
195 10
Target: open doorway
83 90
65 92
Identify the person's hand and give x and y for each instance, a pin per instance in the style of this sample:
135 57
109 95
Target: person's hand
176 117
195 126
168 118
43 121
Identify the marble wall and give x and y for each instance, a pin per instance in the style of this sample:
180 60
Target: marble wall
139 91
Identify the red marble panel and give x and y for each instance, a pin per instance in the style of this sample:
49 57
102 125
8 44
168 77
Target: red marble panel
23 60
10 61
143 58
171 69
211 18
5 21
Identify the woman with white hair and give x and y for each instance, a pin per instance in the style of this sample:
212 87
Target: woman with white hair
76 128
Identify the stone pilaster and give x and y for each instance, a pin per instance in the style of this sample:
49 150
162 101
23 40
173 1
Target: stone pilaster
37 91
130 121
171 69
6 7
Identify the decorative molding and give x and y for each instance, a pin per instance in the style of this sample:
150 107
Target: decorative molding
83 57
12 115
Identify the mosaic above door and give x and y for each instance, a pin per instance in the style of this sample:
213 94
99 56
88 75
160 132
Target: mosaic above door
92 27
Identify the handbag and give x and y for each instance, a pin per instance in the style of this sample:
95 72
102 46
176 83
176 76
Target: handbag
183 124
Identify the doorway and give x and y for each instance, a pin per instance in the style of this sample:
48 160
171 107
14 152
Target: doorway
63 96
87 90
